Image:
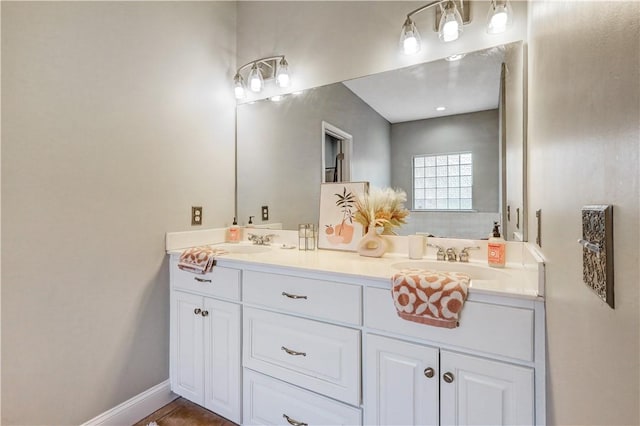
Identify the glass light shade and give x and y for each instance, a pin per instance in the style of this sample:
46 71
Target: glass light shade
282 75
450 26
238 86
256 82
499 17
409 38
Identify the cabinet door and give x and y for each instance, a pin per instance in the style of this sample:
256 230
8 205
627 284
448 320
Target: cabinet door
483 392
186 346
398 389
222 358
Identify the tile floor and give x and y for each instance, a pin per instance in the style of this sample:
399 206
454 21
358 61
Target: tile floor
184 413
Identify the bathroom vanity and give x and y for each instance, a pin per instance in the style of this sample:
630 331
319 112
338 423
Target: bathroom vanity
277 336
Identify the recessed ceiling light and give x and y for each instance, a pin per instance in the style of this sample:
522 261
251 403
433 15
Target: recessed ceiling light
455 57
440 108
276 98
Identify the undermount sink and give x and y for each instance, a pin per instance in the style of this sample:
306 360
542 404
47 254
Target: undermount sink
476 272
240 248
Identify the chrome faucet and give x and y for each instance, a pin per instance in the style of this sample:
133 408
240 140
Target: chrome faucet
261 240
452 255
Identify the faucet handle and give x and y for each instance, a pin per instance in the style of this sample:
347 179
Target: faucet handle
440 253
268 238
464 253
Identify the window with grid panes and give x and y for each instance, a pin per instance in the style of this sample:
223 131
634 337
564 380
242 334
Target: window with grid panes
443 181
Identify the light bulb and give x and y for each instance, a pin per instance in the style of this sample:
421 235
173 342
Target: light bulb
282 76
499 17
255 79
238 86
410 38
450 31
450 23
239 92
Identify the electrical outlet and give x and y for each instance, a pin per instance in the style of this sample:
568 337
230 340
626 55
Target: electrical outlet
196 216
265 213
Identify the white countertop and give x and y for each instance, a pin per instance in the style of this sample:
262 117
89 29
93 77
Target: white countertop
517 279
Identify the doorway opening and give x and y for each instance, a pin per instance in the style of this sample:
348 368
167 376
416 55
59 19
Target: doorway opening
337 147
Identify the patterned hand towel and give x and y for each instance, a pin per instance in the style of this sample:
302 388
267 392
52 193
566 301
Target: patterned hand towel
199 260
430 297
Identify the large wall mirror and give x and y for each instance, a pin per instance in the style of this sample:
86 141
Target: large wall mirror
462 167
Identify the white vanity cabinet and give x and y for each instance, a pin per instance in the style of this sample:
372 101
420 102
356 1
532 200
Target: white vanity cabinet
415 384
291 345
448 374
205 339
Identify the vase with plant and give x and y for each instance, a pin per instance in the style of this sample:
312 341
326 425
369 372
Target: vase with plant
380 208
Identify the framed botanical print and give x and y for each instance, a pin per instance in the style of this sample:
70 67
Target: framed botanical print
337 229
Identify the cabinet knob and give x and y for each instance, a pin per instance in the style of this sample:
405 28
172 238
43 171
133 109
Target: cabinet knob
448 377
205 313
197 311
429 372
294 422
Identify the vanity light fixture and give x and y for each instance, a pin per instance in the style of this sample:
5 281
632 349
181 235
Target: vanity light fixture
261 70
451 15
450 27
499 17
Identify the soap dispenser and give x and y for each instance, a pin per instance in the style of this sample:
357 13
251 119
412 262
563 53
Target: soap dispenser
234 232
496 248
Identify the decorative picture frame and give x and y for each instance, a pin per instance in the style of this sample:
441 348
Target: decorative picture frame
337 229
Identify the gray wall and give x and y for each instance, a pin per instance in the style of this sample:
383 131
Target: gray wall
116 118
584 128
476 132
280 151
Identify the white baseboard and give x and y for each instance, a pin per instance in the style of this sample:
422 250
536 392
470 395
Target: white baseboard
136 408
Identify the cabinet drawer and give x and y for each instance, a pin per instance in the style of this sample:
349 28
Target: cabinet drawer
494 329
220 282
321 357
317 298
267 401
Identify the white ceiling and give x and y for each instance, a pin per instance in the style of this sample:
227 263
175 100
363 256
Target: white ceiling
413 93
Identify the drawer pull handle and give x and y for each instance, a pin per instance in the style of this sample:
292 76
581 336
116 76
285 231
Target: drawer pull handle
448 377
201 280
294 353
197 311
293 296
294 422
429 372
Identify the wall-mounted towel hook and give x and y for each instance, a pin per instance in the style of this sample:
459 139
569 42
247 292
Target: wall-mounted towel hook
596 248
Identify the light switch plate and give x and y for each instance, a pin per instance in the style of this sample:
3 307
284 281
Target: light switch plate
597 251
